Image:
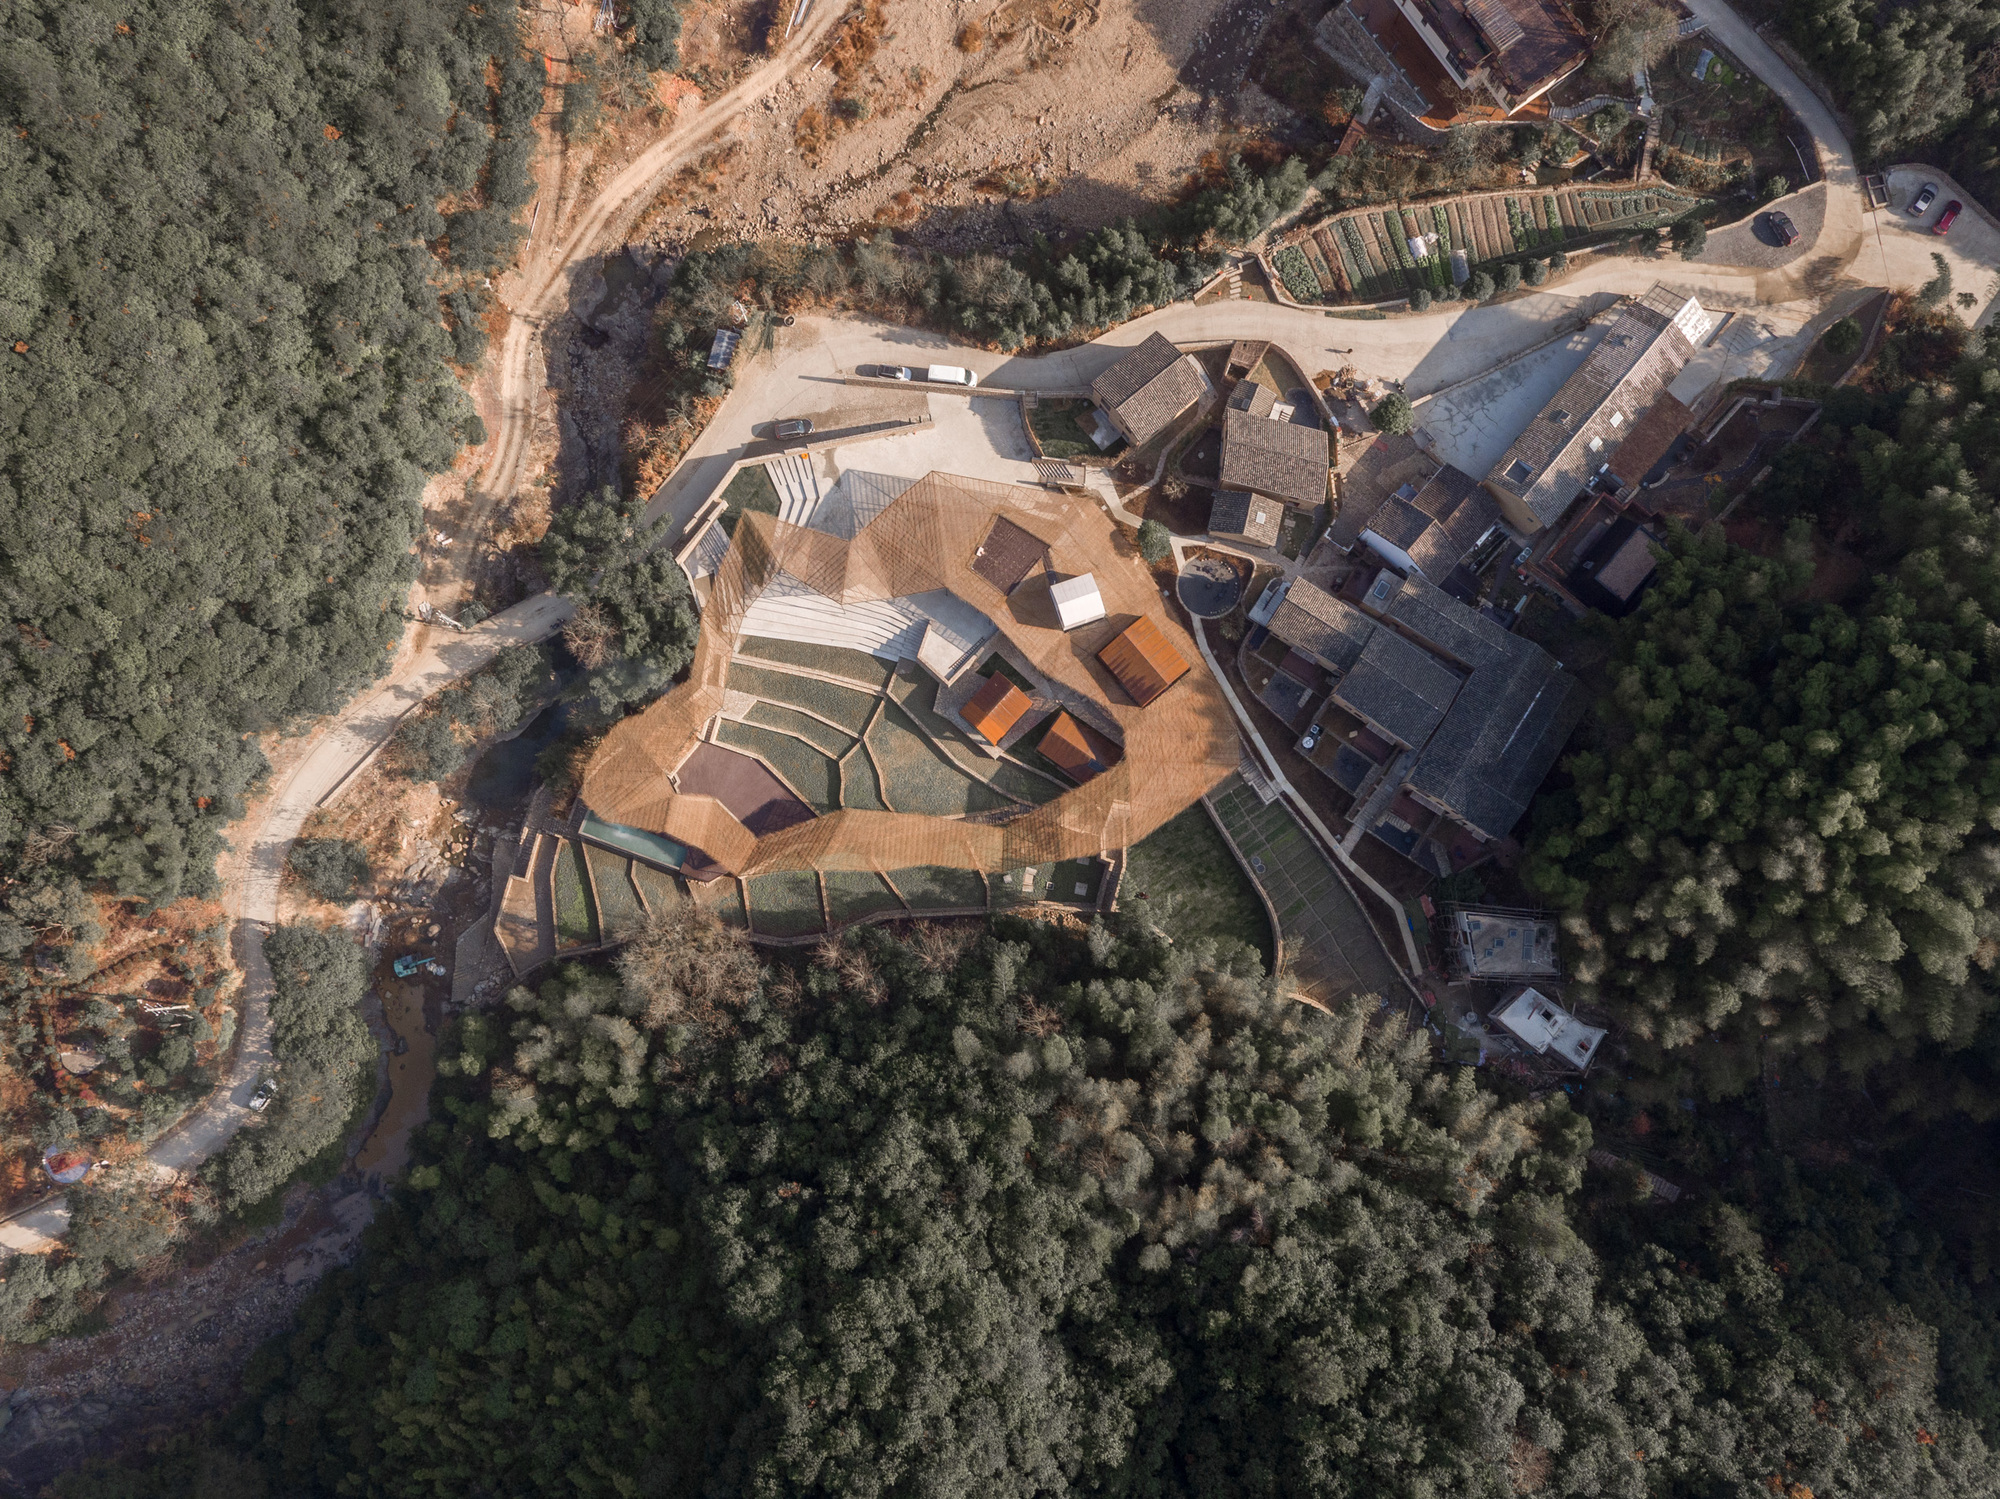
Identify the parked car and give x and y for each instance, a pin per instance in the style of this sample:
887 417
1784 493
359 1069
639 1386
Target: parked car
797 426
1783 227
950 374
1951 211
1311 739
897 372
1923 200
261 1099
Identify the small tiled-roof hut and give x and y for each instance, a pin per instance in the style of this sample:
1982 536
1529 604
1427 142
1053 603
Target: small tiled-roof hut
995 708
1143 661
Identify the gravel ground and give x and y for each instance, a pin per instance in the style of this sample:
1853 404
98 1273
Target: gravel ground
175 1349
1750 243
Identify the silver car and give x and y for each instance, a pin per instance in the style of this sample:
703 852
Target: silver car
261 1099
1923 200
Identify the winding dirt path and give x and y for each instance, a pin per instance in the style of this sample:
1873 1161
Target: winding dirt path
431 657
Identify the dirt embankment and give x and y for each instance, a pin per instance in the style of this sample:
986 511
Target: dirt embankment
979 125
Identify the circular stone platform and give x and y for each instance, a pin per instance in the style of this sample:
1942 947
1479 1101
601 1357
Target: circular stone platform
1210 587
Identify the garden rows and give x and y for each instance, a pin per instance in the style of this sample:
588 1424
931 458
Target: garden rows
1367 256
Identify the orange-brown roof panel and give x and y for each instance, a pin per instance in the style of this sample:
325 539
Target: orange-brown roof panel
996 708
1143 660
1063 742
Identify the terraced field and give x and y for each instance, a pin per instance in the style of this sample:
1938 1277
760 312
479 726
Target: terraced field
618 906
931 888
814 777
852 894
785 904
656 887
845 706
836 661
919 777
802 726
1366 255
576 917
860 786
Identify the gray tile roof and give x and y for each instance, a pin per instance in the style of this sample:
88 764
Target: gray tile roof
1502 735
1237 513
1385 464
1504 727
1328 629
1255 399
1457 532
1429 614
1631 368
1274 458
1399 523
1399 687
1148 388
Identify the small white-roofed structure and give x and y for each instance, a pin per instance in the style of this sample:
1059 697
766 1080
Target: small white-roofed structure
1544 1026
1077 601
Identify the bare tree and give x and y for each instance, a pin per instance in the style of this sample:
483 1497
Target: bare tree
689 968
1631 34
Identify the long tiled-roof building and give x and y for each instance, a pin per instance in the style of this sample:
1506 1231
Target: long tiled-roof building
1271 456
1575 437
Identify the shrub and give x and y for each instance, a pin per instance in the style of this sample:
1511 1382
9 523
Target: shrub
1393 413
1448 292
1510 277
1690 237
1843 338
1480 287
428 747
1778 186
322 1046
1154 541
332 868
1420 300
1558 262
1537 272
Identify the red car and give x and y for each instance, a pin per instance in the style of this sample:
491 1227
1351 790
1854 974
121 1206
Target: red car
1951 211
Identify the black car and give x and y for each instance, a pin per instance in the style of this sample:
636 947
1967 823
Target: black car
1783 227
797 426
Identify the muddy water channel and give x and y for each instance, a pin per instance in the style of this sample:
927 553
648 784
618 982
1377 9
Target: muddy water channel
412 1067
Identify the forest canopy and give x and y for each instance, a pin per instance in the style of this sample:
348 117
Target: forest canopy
229 237
1783 851
1026 1210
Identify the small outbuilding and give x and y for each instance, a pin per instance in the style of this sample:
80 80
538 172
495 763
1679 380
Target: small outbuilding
1144 661
1238 515
1077 600
995 708
1065 744
1544 1026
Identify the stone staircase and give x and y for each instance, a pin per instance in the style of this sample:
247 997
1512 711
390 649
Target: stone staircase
797 483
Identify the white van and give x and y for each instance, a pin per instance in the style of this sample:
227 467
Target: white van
950 374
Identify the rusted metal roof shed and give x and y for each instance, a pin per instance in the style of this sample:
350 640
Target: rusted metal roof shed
996 708
1143 661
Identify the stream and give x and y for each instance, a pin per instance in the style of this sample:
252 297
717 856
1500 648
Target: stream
500 781
412 1068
